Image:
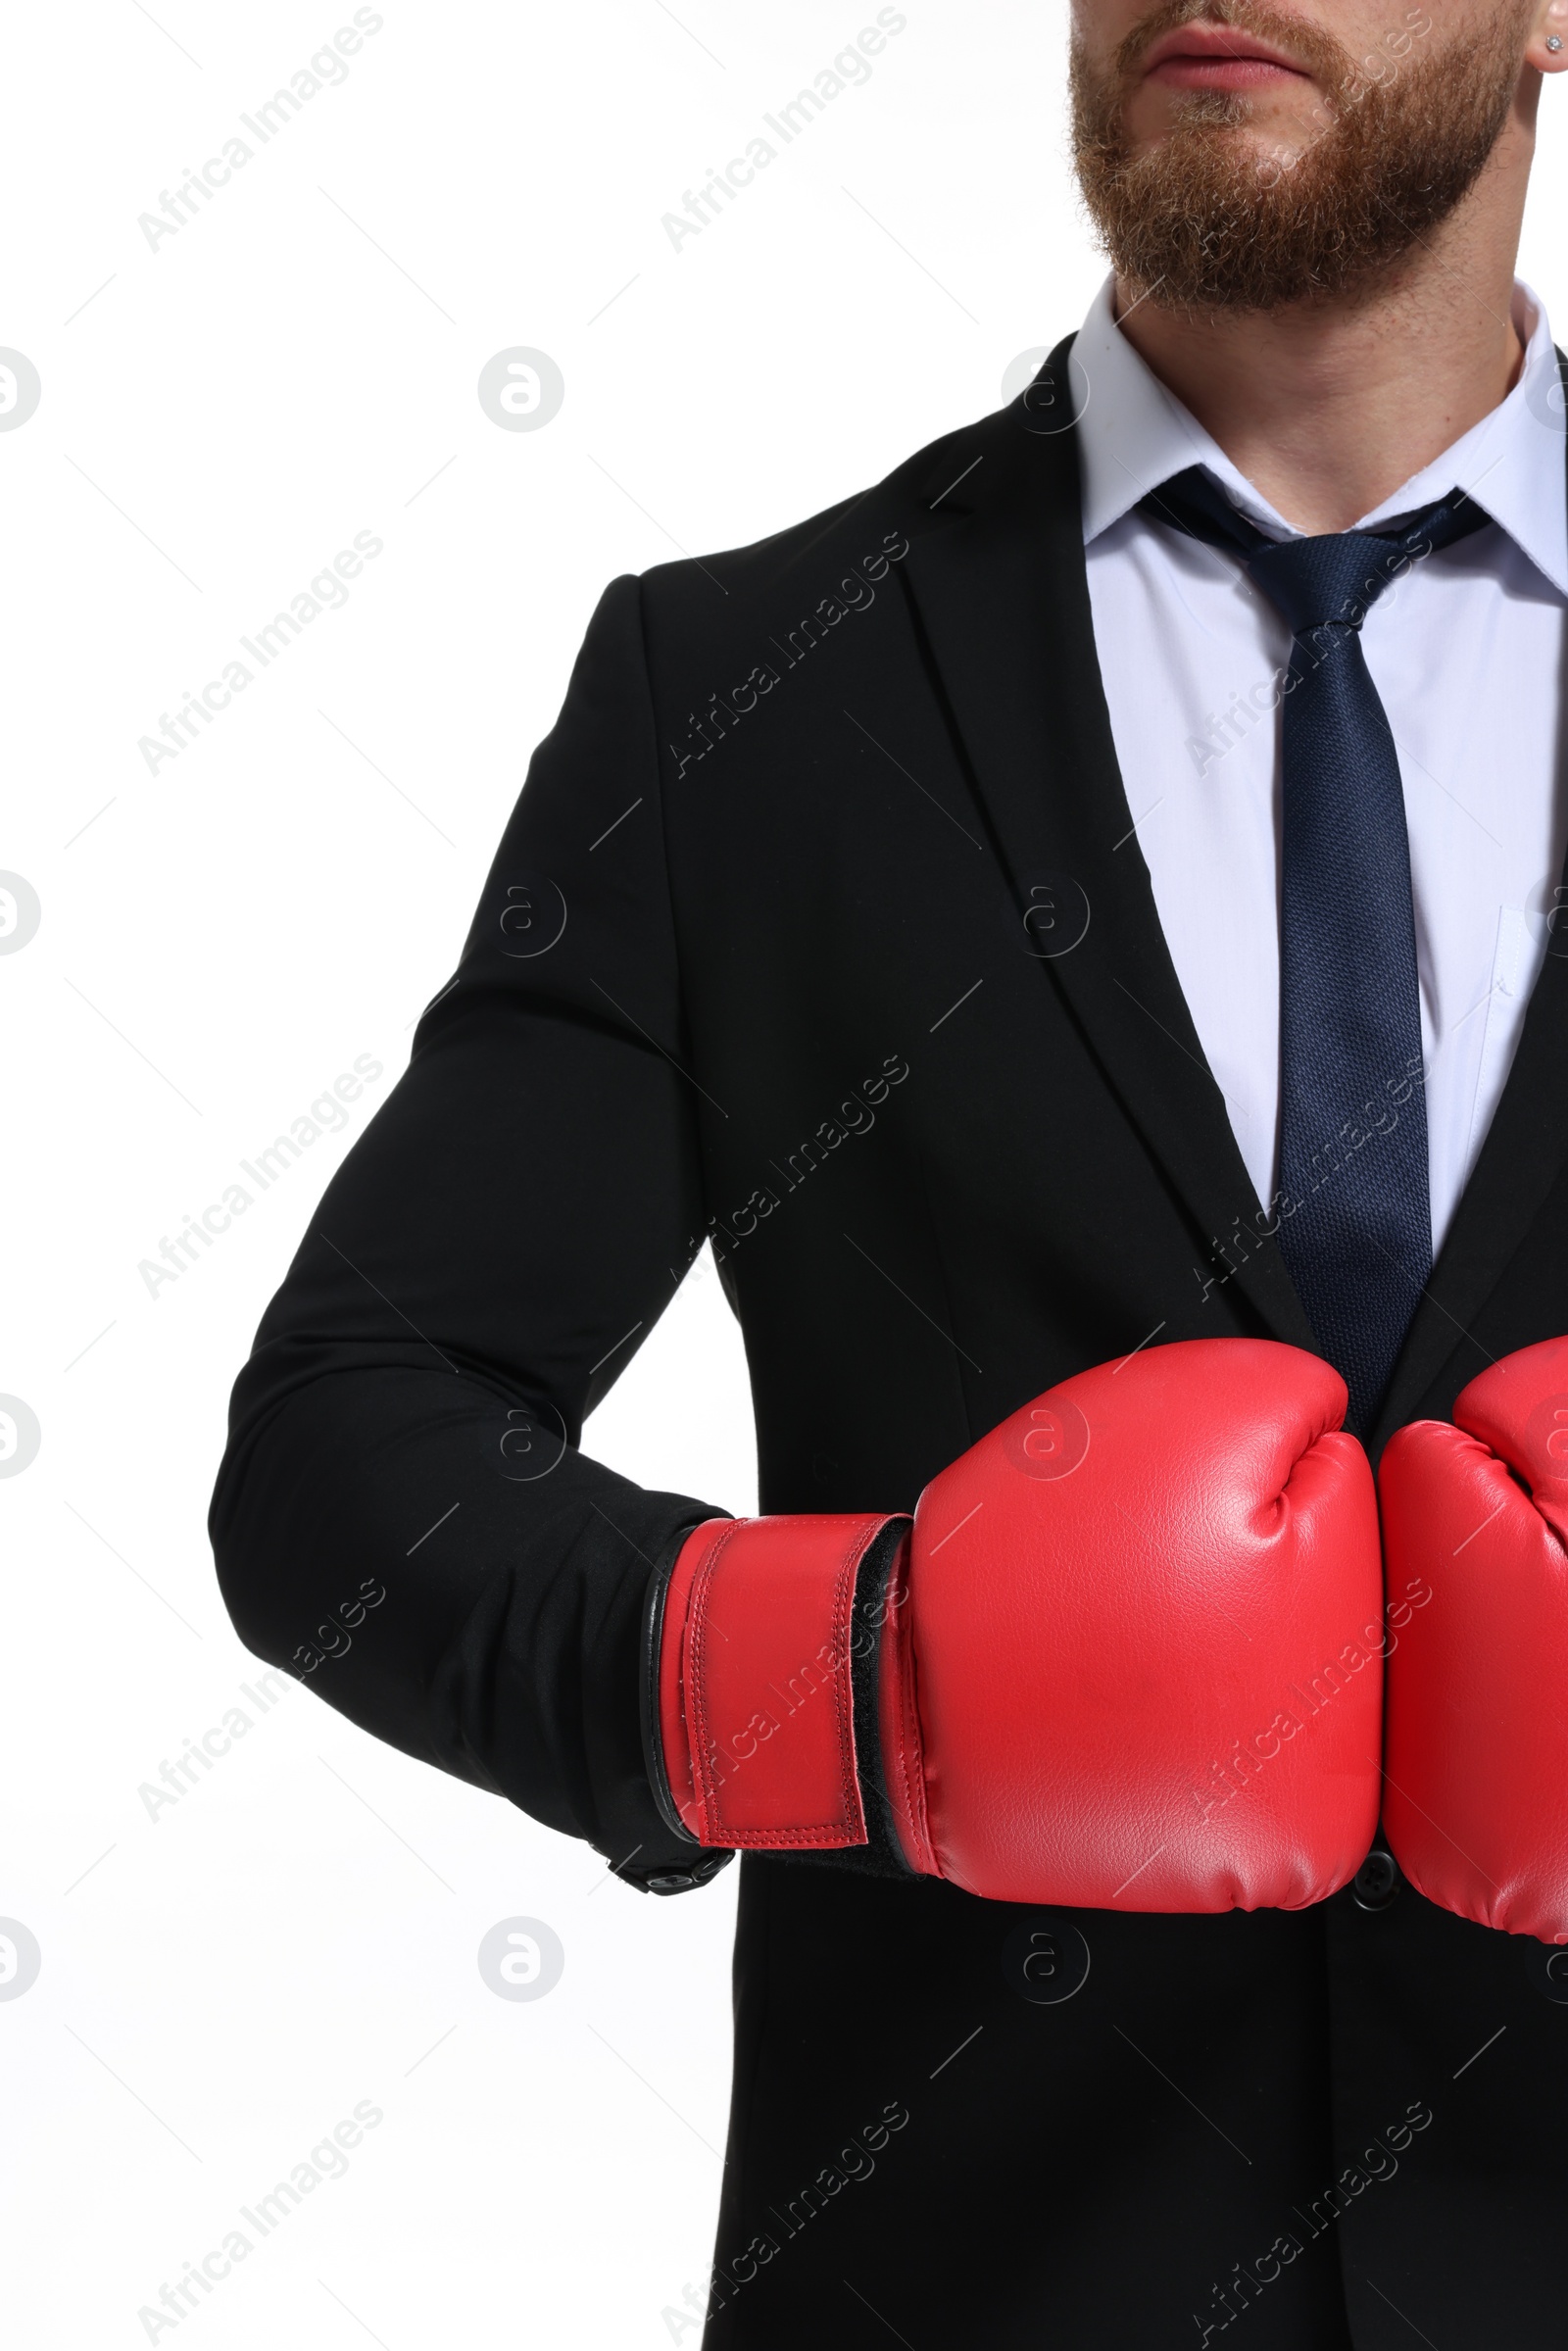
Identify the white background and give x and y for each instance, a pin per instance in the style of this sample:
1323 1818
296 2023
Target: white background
220 416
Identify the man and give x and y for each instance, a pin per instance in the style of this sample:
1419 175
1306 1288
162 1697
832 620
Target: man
1073 923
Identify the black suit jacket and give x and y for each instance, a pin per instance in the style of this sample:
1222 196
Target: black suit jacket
820 930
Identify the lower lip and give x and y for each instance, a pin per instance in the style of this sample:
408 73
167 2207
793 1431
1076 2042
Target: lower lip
1222 74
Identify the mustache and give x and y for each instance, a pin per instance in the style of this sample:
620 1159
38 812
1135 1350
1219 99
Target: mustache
1325 58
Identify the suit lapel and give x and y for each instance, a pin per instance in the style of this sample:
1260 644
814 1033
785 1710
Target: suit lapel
1000 592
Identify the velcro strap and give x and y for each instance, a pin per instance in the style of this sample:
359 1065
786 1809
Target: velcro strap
756 1703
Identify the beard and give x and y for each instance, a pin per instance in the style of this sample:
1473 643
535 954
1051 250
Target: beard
1208 218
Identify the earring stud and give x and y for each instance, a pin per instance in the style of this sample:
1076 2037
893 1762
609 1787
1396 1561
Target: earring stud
1553 43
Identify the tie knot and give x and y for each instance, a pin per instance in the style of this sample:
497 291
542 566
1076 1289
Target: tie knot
1318 582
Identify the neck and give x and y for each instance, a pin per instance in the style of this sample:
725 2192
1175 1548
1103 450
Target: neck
1326 408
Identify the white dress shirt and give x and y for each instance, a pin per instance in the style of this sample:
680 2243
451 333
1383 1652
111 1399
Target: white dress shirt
1467 653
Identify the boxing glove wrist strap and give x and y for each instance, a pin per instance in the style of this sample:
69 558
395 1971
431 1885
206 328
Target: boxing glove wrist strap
754 1637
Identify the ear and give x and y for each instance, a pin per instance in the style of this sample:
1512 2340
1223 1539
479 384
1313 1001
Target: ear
1547 50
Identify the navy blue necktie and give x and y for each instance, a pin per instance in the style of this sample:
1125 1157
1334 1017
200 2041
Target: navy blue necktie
1355 1206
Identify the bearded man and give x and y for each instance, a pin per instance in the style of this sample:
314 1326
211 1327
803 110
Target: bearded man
1075 928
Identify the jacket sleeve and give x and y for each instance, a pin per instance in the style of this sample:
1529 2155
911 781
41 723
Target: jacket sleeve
402 1518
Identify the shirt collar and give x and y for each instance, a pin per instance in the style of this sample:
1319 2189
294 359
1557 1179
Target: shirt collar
1134 434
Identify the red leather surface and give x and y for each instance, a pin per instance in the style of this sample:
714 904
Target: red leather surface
1476 1806
1145 1617
756 1703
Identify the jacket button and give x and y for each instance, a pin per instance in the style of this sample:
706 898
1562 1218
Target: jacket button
1377 1881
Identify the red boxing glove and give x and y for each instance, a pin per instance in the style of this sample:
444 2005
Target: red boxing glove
1475 1517
1128 1657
